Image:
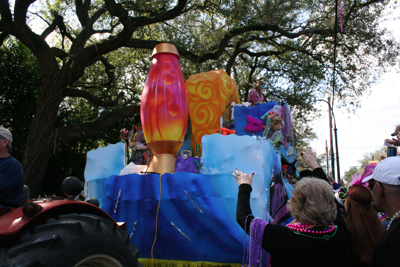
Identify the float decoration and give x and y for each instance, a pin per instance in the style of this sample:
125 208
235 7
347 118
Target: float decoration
210 94
164 108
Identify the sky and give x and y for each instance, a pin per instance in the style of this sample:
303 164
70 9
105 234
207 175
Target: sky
366 130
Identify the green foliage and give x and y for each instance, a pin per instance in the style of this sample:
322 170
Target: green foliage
347 175
377 155
21 82
368 158
297 70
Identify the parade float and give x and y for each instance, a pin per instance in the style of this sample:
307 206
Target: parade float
181 209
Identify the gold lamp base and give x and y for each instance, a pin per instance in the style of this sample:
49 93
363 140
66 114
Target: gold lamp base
162 163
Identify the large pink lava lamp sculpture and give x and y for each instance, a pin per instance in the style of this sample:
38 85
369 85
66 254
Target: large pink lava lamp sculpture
164 108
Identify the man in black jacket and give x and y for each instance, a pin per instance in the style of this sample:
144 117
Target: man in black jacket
385 185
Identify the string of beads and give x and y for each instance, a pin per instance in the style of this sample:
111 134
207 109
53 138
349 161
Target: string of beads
256 255
313 231
396 216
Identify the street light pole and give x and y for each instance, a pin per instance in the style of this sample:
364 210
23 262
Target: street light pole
337 152
327 156
331 114
331 139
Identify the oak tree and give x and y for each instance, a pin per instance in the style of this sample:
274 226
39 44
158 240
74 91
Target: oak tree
289 44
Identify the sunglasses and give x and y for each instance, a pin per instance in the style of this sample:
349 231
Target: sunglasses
371 184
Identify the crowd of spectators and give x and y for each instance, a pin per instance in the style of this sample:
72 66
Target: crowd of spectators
332 225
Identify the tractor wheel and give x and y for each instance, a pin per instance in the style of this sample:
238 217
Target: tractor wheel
76 240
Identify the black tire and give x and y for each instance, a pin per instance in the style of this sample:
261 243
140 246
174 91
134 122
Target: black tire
73 240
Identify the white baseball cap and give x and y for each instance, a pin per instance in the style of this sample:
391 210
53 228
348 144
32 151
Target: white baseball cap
387 171
6 134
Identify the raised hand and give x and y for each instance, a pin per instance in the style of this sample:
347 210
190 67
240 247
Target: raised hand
310 158
243 178
395 142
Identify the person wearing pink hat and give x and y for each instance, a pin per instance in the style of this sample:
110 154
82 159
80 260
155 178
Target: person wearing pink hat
384 183
11 174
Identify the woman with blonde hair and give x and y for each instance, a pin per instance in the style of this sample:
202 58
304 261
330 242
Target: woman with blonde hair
316 233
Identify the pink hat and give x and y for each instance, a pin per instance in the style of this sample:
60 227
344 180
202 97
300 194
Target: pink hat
387 171
368 170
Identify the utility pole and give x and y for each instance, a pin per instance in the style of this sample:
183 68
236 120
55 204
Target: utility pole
331 138
332 150
337 155
327 157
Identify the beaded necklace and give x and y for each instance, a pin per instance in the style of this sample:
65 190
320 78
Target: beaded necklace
396 216
256 255
245 257
305 229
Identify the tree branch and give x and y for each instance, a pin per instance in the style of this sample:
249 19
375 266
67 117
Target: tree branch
253 68
5 21
109 67
76 132
354 7
118 11
164 16
261 54
82 12
92 98
59 53
20 10
3 36
232 58
5 12
149 44
34 42
51 27
97 15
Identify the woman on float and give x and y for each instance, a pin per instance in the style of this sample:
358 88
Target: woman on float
255 95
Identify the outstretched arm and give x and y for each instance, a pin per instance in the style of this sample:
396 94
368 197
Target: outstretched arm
243 211
310 158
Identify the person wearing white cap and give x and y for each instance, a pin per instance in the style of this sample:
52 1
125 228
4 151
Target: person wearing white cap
385 185
11 174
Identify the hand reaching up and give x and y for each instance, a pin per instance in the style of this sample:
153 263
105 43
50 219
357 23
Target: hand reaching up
243 178
395 142
310 158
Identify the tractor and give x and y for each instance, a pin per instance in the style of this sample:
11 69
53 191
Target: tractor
62 232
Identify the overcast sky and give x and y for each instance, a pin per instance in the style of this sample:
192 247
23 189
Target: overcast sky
366 130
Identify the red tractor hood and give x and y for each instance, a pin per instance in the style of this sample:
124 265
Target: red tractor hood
14 221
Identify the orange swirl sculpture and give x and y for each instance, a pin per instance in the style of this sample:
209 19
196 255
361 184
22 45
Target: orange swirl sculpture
164 108
210 94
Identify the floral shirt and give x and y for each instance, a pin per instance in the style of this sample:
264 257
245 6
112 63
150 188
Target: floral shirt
255 97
